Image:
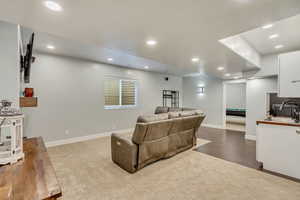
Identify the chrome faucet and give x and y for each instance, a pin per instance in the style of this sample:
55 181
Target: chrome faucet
295 111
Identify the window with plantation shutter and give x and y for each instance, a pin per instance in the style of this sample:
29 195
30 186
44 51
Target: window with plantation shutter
128 92
112 92
119 93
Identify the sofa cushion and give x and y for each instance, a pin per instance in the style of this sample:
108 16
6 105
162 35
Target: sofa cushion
152 118
186 113
158 130
173 115
176 126
139 133
175 109
187 109
161 109
199 112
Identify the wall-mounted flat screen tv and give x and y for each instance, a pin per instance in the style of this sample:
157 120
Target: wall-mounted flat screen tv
27 59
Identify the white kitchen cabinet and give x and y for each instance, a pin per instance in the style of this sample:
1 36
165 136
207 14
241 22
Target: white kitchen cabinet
289 74
278 148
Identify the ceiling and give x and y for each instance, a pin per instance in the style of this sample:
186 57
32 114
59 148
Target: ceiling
288 31
89 52
183 29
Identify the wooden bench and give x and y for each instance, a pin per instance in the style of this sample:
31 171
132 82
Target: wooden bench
33 178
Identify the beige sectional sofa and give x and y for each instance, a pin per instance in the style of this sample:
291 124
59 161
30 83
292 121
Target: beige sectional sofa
156 137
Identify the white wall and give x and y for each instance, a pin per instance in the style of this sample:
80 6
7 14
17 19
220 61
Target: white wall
256 102
9 73
236 95
239 45
269 66
211 102
70 97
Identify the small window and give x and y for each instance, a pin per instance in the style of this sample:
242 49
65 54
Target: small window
119 93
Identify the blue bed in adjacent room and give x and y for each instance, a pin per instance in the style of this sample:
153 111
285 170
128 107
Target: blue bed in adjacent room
236 112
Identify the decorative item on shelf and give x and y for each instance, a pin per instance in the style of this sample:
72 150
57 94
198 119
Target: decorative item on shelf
11 134
28 92
28 102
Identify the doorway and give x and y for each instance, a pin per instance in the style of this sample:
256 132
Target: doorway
235 105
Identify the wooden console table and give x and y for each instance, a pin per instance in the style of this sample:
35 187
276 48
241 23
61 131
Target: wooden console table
31 179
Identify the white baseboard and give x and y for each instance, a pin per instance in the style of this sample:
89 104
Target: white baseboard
84 138
213 126
250 137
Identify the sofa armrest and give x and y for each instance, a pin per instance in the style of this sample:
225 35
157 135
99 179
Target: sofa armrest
124 152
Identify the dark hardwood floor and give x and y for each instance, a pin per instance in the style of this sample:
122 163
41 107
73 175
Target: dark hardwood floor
229 145
232 146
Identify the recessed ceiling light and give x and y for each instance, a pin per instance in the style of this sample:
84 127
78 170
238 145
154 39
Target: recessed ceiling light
279 46
195 59
52 5
227 74
273 36
146 67
220 68
267 26
110 59
255 77
238 77
151 42
51 47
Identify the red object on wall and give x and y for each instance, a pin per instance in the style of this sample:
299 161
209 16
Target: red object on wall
29 92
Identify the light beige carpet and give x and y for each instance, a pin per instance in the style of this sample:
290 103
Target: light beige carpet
86 172
201 142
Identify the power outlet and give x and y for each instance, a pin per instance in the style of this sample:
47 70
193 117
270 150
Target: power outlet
67 132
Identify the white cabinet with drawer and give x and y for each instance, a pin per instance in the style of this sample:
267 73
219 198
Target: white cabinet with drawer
278 148
289 74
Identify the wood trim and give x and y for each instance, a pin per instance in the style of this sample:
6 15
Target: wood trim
279 175
278 123
85 138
